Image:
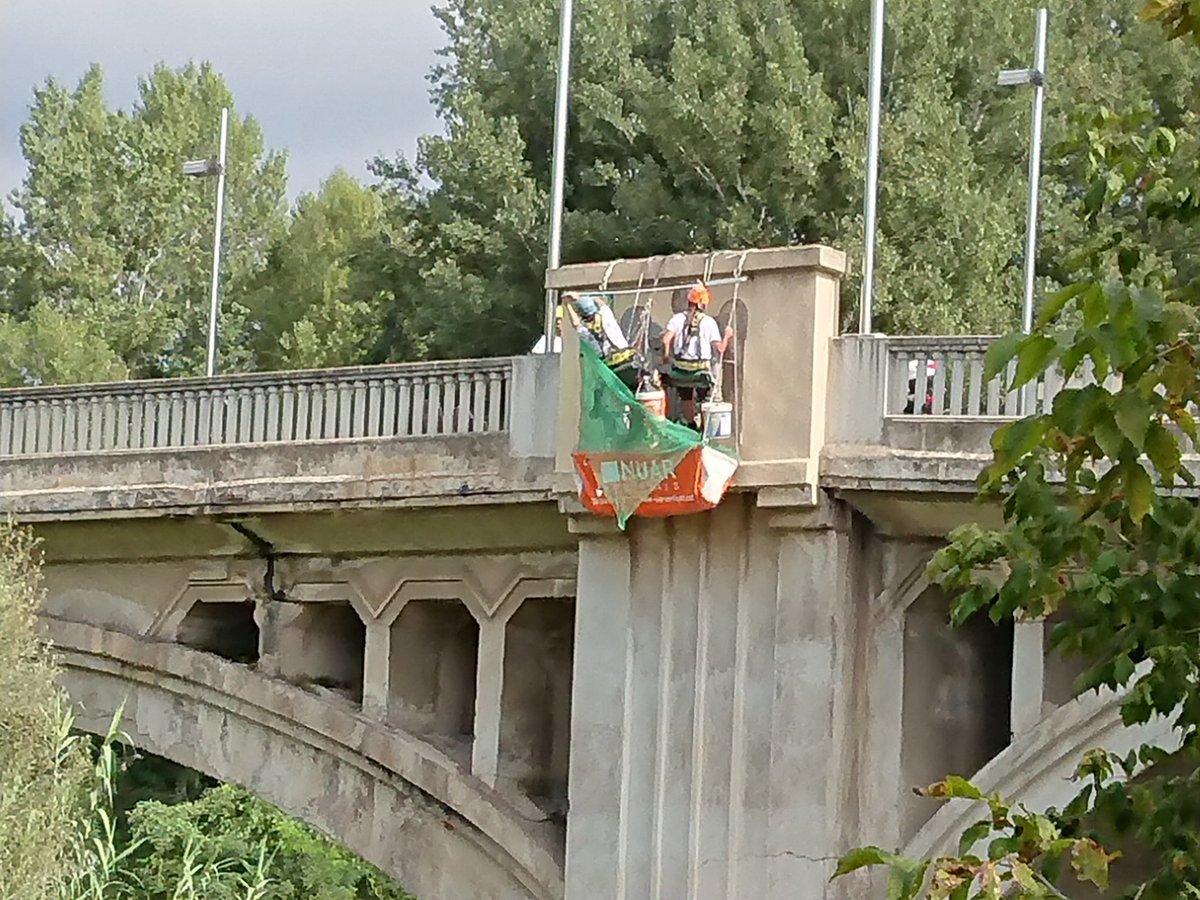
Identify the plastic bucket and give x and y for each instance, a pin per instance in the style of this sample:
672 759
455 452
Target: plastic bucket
718 420
655 401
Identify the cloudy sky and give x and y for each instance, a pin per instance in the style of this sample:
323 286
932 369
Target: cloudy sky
334 82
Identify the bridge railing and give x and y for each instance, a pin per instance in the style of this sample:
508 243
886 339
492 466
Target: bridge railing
405 400
917 378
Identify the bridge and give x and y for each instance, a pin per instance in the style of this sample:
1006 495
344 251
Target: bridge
372 597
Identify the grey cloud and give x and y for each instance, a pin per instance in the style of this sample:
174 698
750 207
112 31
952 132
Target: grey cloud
333 83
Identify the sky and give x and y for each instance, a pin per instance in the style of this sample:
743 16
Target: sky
334 82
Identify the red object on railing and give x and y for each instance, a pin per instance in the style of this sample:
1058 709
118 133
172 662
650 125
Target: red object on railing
698 482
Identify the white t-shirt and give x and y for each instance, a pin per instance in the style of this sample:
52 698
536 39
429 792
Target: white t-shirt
612 331
699 345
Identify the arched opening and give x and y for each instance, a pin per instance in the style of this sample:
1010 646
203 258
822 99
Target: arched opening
226 629
434 656
957 699
535 715
319 645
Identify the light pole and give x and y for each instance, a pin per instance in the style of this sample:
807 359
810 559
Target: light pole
1036 77
559 162
875 101
203 168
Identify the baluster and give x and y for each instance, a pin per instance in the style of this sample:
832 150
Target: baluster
287 412
495 411
958 371
359 414
50 439
897 398
478 402
271 424
345 420
7 416
402 422
329 411
258 414
423 401
373 413
141 427
305 398
245 417
462 407
1010 398
975 385
940 403
446 417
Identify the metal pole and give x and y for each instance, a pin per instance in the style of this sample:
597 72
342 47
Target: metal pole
559 163
866 308
214 300
1035 167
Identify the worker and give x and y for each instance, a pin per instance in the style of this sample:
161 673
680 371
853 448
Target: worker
540 346
597 325
693 346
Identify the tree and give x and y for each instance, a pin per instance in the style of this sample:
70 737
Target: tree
310 306
114 246
717 124
1095 528
44 778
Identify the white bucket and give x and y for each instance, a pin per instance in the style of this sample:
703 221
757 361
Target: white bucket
718 420
654 401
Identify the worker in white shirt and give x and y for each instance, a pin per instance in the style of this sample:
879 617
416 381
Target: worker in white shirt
693 345
598 326
540 346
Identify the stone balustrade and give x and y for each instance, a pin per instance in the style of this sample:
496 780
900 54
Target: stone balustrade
408 400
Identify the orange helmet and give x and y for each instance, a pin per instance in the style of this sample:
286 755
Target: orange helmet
699 296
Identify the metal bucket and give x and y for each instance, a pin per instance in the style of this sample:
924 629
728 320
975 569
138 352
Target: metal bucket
655 401
718 420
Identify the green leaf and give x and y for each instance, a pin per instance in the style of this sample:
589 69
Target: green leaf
952 788
1139 490
907 878
1091 863
972 836
1013 440
1163 450
1132 415
1058 301
863 857
1035 354
1000 354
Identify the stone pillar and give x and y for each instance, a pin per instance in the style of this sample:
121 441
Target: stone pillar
377 664
716 690
1028 675
489 689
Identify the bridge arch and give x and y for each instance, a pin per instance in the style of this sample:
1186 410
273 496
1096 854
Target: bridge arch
1037 767
390 797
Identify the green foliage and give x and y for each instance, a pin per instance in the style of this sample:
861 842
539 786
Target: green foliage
44 776
226 835
1096 528
697 126
114 246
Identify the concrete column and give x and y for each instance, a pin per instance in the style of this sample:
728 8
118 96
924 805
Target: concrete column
598 791
717 690
377 670
1028 675
489 689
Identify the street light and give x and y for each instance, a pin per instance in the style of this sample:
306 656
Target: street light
1036 78
557 176
875 102
206 168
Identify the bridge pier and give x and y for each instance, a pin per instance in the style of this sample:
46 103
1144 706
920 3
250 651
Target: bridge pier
716 670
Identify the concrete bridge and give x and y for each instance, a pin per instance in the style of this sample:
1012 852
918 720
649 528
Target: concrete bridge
372 597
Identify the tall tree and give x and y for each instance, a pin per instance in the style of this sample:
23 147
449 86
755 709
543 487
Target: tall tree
116 242
731 124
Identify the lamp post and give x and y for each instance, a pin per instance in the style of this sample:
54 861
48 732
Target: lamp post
1037 78
559 163
875 101
204 168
